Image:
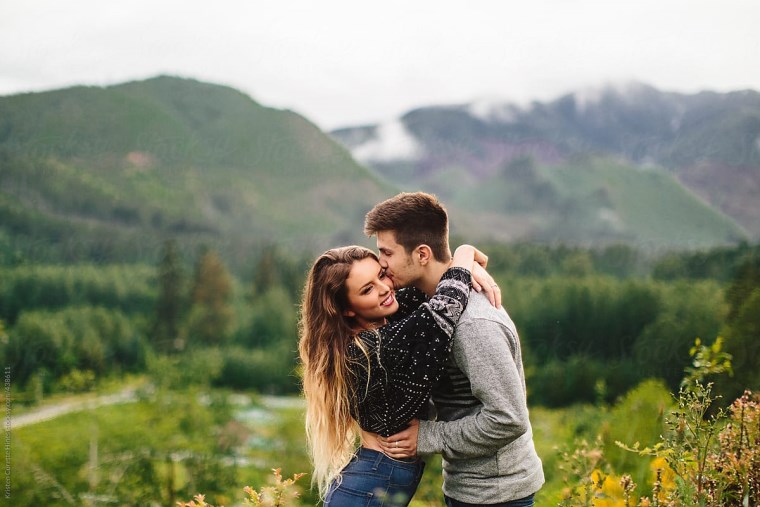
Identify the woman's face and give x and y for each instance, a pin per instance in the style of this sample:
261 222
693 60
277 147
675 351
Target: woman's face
370 294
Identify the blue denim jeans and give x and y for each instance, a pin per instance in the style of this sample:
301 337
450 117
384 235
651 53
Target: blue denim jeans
522 502
373 479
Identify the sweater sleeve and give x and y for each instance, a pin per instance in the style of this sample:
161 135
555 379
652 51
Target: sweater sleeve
409 299
407 357
484 354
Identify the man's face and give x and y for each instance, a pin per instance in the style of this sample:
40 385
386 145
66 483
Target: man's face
400 266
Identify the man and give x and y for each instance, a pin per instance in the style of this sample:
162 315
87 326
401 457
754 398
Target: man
482 429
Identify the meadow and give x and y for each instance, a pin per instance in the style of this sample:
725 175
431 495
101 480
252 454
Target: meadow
178 380
167 445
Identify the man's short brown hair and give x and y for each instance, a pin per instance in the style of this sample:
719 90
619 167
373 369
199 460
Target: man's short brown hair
415 219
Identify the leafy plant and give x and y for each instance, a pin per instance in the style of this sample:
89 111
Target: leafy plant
707 457
586 473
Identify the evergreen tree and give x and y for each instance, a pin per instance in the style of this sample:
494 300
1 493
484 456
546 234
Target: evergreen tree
742 329
211 315
170 299
266 275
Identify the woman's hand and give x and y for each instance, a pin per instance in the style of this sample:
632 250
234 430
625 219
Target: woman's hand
403 444
482 281
469 257
481 258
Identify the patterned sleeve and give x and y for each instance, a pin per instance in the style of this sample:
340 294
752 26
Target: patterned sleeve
408 356
409 299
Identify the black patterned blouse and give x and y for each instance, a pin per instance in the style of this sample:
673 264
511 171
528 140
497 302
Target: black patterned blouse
407 355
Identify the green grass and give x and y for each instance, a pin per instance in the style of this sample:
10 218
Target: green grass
51 459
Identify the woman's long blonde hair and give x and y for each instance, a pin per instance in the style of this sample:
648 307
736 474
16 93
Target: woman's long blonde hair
325 335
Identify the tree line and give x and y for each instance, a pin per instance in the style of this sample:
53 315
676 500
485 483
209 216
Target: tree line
593 322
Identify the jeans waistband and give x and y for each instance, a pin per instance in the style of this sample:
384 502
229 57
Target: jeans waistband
367 454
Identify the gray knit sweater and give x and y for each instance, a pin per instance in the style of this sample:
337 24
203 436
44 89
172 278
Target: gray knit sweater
482 427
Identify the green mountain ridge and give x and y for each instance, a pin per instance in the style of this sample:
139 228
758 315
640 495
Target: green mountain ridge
703 148
595 201
109 173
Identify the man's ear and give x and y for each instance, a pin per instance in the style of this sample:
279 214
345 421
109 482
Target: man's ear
423 254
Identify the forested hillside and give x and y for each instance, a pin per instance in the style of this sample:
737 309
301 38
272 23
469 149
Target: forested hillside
106 174
561 166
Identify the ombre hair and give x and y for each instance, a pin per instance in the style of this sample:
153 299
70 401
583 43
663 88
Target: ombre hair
325 335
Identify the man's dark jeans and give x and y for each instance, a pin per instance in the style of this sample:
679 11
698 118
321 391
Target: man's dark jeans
522 502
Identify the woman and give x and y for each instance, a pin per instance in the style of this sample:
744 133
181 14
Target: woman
370 360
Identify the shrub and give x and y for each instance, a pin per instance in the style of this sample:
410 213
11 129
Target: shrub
282 493
84 338
269 370
707 458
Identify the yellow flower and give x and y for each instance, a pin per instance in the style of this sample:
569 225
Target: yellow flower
610 494
667 475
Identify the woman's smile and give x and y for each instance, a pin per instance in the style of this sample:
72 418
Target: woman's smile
388 301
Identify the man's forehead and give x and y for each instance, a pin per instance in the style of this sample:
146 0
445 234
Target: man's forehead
387 239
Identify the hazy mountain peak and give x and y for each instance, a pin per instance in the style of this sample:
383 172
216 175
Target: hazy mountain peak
392 141
626 91
709 141
494 108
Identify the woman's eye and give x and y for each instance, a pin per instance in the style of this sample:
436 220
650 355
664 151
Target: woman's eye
382 274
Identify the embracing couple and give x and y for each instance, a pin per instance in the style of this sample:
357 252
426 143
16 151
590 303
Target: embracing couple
381 335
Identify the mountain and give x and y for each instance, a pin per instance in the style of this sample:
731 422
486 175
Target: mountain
626 163
108 173
91 173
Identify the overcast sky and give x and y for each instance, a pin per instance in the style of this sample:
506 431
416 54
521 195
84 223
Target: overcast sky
344 62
